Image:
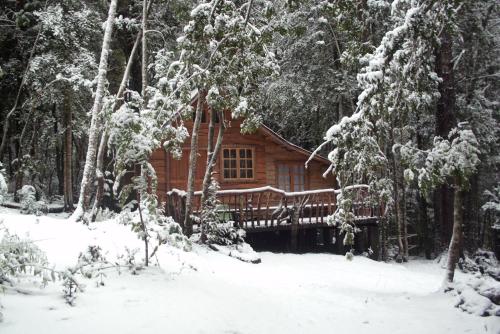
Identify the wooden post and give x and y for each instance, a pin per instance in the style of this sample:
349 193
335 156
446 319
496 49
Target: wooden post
241 210
294 229
259 216
267 208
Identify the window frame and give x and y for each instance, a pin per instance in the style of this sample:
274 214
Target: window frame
238 148
289 164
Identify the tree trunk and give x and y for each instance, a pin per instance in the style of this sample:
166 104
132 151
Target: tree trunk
445 121
68 154
144 68
20 158
212 153
211 161
88 171
404 225
144 74
472 205
456 237
425 233
105 135
188 223
398 205
59 161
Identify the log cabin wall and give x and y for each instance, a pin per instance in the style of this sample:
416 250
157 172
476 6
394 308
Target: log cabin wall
268 152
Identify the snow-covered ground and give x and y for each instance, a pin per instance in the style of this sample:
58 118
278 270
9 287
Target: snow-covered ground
207 292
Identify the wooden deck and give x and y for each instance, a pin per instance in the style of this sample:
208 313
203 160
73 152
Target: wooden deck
270 209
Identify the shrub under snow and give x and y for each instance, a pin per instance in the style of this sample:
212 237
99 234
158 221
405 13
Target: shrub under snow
3 186
29 204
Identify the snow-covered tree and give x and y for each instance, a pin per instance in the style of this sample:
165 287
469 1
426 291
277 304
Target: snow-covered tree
317 47
56 82
222 53
399 89
89 168
452 160
216 230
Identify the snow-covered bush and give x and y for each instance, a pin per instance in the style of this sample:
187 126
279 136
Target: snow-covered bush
3 185
224 233
150 223
129 260
216 230
479 292
492 206
481 262
21 257
91 264
29 204
105 214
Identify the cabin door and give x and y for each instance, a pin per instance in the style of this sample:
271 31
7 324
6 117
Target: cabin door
291 176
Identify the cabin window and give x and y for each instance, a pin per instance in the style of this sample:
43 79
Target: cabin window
291 177
238 163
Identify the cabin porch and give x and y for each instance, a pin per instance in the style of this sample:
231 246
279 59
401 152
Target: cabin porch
276 220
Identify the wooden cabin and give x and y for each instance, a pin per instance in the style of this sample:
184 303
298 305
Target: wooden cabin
265 189
246 161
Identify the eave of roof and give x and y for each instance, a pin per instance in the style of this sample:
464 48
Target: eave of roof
282 141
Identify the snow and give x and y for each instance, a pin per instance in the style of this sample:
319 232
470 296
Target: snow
208 292
276 190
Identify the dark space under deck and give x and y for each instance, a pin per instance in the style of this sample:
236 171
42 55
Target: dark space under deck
313 238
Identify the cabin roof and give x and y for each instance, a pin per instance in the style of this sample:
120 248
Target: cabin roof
275 137
268 132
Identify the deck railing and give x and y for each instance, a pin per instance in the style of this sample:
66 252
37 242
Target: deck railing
268 207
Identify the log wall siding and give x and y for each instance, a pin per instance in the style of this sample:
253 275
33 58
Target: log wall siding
268 153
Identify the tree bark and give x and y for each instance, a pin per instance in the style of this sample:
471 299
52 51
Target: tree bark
144 65
59 161
68 154
398 205
20 160
404 225
211 161
88 171
445 121
456 237
188 223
